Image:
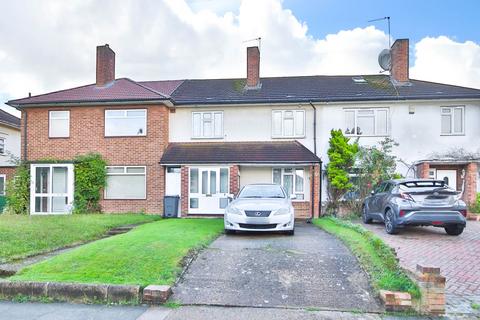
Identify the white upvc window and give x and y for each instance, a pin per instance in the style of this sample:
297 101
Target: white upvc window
51 188
59 124
366 122
125 122
292 179
288 123
453 120
126 182
2 146
207 124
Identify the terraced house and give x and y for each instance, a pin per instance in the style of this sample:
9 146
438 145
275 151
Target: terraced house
204 139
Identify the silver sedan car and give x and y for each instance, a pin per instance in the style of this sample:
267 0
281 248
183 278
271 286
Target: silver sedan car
260 207
415 202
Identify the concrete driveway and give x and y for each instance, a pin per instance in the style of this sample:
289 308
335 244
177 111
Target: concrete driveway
310 269
458 259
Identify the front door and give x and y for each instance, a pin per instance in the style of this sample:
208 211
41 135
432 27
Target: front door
449 176
209 188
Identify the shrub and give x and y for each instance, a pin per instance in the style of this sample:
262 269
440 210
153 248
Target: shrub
90 179
18 190
475 206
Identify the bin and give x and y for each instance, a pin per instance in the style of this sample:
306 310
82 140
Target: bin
170 206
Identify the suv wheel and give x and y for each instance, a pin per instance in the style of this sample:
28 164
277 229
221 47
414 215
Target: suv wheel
390 224
454 230
365 218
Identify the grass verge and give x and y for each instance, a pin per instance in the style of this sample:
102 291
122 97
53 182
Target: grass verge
149 254
23 236
374 255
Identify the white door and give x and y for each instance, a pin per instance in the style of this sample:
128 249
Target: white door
209 189
51 188
449 176
173 181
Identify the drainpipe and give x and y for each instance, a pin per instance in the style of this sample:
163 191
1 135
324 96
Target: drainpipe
312 205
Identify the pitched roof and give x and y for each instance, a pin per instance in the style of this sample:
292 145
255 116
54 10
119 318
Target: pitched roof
314 89
122 89
273 90
9 119
284 152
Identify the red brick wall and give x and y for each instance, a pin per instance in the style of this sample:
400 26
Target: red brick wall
234 180
422 170
8 171
400 63
87 135
316 190
470 193
184 190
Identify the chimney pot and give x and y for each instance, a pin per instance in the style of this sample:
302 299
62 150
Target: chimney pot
253 68
400 64
105 65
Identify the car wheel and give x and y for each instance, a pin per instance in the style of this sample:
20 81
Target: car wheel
390 224
291 232
365 218
454 230
228 231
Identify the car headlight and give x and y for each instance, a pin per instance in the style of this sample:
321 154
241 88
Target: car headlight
282 211
234 210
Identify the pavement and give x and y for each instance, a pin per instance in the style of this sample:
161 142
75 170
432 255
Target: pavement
457 256
309 270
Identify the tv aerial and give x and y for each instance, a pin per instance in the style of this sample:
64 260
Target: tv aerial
385 56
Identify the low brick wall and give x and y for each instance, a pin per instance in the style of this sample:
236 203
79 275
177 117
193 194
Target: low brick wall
432 288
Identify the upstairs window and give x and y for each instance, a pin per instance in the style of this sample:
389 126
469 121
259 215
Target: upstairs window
288 123
453 120
207 124
125 123
367 122
2 146
59 124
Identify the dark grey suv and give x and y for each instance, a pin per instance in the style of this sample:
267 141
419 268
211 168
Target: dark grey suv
415 202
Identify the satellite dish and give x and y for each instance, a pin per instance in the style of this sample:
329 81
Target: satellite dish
385 59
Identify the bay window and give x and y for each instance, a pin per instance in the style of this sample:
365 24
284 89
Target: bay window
292 180
367 122
126 182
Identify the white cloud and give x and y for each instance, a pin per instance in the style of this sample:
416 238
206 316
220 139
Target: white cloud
444 60
50 45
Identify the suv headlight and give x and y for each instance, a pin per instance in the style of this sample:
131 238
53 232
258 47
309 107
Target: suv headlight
282 211
234 210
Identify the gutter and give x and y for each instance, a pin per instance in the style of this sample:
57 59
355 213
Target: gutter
19 106
312 197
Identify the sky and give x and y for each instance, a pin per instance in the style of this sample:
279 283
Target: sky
50 45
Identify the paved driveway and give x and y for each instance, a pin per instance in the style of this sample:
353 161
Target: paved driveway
310 269
458 258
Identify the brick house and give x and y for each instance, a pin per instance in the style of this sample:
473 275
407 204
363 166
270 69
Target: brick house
9 147
205 139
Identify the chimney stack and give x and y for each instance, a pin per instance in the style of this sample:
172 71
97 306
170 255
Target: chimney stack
400 64
105 65
253 68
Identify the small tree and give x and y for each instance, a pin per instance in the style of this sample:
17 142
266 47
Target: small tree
341 155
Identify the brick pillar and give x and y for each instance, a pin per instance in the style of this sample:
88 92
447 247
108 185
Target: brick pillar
234 179
470 193
316 180
432 288
422 170
184 197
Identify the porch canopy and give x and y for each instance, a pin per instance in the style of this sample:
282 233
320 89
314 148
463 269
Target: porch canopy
252 152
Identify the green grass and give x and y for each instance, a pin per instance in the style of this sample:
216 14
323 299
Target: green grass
149 254
22 236
374 255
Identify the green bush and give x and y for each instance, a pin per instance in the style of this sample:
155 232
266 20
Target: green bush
18 190
90 179
475 206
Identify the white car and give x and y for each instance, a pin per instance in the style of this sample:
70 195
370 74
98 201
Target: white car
260 207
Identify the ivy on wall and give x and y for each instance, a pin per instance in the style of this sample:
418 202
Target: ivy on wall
90 179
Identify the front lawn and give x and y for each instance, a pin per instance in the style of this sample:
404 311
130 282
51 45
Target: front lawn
149 254
22 236
374 255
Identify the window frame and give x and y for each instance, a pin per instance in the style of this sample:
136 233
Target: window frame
452 120
212 119
50 124
375 117
144 134
125 173
3 150
294 181
3 192
282 124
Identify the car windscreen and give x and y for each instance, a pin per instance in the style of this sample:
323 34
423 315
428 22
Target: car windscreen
261 191
429 192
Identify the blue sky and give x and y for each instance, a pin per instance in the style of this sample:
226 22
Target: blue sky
459 20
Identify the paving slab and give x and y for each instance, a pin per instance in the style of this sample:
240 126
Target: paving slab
310 269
